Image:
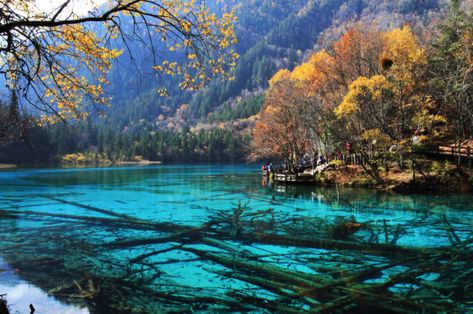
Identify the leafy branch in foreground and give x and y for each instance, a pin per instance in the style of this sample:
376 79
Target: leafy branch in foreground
58 60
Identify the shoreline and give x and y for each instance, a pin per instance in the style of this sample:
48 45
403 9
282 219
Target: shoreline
454 180
8 166
109 163
4 166
142 162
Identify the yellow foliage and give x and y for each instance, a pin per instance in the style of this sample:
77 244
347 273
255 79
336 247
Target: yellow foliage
308 76
321 57
313 71
73 158
402 48
303 72
52 55
279 76
371 88
375 135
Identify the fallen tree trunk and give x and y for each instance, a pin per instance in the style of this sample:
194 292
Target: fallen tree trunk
120 223
233 262
371 248
192 234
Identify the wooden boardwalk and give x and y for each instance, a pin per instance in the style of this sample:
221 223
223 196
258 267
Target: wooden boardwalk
459 154
462 153
293 178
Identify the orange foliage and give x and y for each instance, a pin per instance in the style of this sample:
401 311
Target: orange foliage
366 86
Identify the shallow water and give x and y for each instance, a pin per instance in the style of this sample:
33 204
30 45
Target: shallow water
20 294
184 195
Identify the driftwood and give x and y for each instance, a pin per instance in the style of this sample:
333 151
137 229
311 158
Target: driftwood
89 273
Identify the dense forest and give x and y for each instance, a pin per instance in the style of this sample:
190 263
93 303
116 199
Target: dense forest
215 123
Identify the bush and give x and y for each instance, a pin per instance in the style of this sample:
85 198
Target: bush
336 163
437 167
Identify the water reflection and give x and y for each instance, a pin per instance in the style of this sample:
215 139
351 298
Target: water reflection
20 294
181 195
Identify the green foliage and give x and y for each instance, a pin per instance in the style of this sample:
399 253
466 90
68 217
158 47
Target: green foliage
407 6
253 72
87 143
451 78
336 163
438 167
243 109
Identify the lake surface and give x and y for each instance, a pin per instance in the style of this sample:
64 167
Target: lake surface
45 247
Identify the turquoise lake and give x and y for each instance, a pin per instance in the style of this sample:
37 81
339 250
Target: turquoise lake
39 210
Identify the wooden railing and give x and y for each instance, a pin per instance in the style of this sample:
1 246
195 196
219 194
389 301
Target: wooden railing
461 153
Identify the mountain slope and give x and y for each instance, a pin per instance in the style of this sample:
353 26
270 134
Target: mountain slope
272 35
215 123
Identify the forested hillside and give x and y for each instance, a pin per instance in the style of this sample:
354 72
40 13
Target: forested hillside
271 35
214 124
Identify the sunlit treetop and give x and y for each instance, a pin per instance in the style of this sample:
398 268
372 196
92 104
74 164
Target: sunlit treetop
315 72
58 60
281 75
303 72
307 77
361 90
402 49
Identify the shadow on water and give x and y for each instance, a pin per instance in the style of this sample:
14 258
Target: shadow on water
94 176
363 199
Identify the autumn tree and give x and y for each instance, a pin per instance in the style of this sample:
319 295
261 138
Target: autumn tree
367 89
388 101
282 132
316 87
57 60
380 90
356 54
451 71
313 82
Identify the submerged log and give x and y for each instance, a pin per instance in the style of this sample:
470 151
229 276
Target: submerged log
371 248
3 305
185 236
294 291
117 222
91 208
282 274
281 289
273 306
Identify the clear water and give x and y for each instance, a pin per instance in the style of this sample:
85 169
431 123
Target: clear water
187 195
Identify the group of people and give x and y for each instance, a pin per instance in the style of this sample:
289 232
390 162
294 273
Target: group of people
309 161
268 167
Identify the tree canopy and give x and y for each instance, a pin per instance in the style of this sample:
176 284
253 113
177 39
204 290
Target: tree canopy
372 87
